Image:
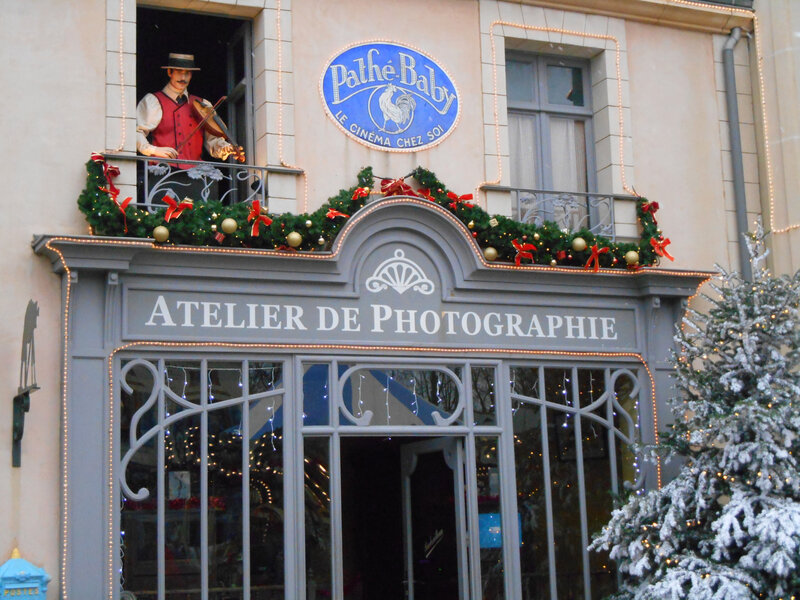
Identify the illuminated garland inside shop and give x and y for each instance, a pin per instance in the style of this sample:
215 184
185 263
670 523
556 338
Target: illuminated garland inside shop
248 225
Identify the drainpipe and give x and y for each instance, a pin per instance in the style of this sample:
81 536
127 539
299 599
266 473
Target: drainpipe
740 199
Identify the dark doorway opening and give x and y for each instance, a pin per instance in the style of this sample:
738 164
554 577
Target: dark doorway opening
377 529
159 32
372 523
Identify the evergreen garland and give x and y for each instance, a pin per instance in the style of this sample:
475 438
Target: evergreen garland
193 227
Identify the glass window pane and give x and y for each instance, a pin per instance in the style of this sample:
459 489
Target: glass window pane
566 504
265 376
225 499
316 396
523 144
568 154
182 545
520 81
138 524
565 85
266 494
483 395
525 381
490 529
317 517
224 381
531 503
401 397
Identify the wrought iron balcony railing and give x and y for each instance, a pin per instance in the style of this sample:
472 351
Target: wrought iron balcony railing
201 181
569 210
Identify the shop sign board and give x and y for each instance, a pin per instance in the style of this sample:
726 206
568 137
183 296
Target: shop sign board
390 96
400 301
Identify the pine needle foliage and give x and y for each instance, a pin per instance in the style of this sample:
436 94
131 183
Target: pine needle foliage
728 526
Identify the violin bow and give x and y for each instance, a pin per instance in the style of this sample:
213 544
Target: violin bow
210 114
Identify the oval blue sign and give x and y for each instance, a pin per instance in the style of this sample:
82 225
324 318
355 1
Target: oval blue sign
389 96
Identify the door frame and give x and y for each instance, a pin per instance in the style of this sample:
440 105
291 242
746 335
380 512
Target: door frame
502 430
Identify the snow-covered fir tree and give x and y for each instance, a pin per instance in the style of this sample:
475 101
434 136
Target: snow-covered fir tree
728 526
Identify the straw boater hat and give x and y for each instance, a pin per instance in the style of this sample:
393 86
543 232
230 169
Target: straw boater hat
180 61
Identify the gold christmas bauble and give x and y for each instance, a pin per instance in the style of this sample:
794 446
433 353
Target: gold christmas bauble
490 253
536 236
553 262
321 241
632 257
294 239
160 234
229 225
579 244
309 223
471 224
723 499
214 227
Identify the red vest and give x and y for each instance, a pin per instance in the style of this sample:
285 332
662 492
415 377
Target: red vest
177 122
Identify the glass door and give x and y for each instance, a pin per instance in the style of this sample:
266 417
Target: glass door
435 533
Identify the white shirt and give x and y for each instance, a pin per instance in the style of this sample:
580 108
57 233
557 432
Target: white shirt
149 115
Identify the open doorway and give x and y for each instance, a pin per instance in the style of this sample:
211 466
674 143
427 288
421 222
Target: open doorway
402 518
222 49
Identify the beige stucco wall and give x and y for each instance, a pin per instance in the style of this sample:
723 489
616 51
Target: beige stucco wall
779 22
53 79
676 142
332 158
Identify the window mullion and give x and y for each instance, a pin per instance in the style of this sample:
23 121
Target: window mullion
548 492
160 487
337 574
508 483
205 384
612 442
575 392
245 437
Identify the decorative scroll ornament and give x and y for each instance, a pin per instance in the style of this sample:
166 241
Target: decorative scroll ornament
400 274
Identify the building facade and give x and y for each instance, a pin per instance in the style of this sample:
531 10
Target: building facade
392 394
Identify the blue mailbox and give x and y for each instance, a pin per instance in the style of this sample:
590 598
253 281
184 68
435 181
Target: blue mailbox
21 579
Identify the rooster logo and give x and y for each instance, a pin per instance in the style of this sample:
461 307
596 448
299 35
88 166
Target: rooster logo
400 111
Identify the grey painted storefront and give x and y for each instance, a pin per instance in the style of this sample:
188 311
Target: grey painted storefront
404 283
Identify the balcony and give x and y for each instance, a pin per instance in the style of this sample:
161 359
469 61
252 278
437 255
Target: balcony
609 215
202 181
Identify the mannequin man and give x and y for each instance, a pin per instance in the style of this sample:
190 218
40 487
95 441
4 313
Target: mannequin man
168 119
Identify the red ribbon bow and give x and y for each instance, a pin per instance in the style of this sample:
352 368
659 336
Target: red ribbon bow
255 213
175 209
361 192
110 172
425 194
122 206
561 254
595 257
333 213
660 247
650 207
523 250
396 187
456 200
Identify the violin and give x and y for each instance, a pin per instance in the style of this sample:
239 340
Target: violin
214 125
